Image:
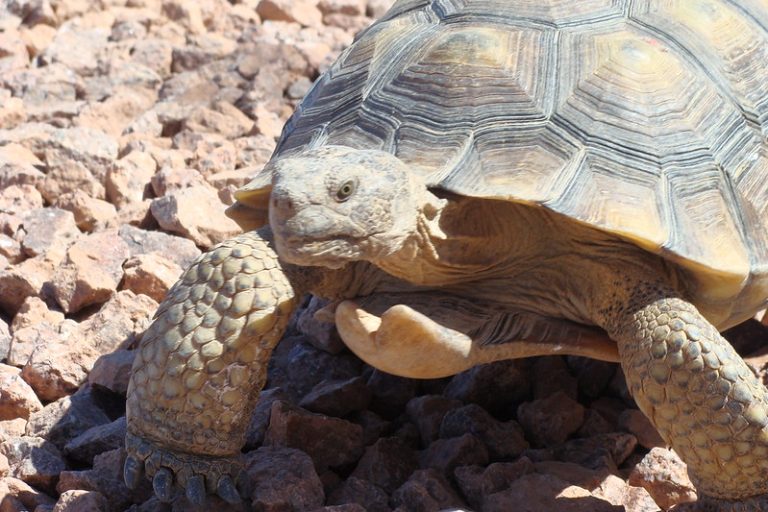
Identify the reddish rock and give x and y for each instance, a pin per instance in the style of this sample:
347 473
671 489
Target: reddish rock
331 442
601 452
81 501
550 421
338 398
534 493
665 477
390 393
448 454
427 489
371 497
494 387
387 464
427 413
17 399
66 418
322 335
112 371
283 479
477 482
638 424
34 460
96 440
223 119
550 375
504 440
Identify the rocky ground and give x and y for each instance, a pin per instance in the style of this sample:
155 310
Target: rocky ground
125 127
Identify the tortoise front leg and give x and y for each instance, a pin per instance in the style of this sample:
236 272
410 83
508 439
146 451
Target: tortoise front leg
698 392
200 367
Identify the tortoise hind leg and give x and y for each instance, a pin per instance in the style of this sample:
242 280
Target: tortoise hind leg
698 392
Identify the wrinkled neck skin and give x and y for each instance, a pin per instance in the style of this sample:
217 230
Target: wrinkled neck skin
515 256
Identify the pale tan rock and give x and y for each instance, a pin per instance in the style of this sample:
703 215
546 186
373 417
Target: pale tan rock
150 274
171 179
665 477
617 492
35 311
90 147
188 14
49 232
91 272
19 199
195 213
304 12
128 178
18 155
12 428
24 280
5 339
203 49
237 178
17 399
22 496
268 123
215 158
79 49
58 367
377 8
10 248
34 460
26 340
223 118
69 177
119 322
13 51
349 7
90 213
37 38
116 113
81 501
12 111
156 54
254 151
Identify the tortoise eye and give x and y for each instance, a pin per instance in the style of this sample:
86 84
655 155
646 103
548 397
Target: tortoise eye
346 190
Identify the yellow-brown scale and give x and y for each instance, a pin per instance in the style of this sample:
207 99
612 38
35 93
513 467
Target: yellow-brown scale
201 364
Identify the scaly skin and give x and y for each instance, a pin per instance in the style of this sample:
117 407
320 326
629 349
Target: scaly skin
698 392
201 365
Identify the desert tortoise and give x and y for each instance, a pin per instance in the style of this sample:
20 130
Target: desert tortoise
479 180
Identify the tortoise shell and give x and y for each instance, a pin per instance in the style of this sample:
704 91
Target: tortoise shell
647 119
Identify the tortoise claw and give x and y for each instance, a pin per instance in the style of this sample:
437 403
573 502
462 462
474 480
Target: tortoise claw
196 490
133 472
163 485
227 491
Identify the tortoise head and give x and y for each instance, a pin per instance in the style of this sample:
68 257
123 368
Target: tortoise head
333 205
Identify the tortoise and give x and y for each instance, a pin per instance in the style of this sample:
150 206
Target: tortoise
482 180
